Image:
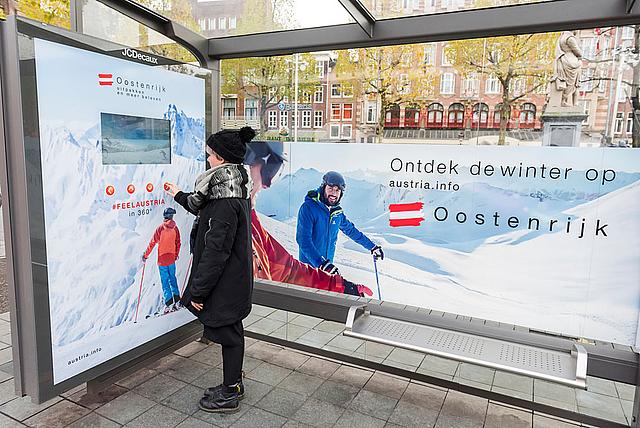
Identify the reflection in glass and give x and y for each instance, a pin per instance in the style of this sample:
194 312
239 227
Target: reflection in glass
383 9
490 91
237 17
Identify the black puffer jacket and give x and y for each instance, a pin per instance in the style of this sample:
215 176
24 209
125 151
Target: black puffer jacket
222 273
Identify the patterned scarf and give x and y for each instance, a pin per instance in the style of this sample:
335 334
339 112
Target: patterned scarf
228 180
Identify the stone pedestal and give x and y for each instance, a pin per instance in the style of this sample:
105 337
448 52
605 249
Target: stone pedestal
562 127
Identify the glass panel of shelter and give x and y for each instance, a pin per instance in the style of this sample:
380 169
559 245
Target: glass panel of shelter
214 19
385 9
432 99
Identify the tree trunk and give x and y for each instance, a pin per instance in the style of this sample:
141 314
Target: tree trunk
264 121
504 114
634 93
383 112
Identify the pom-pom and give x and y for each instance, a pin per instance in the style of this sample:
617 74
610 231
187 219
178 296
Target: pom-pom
246 134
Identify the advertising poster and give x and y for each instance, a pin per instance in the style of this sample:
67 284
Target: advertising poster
546 238
112 132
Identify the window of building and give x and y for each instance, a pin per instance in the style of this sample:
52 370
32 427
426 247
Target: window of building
250 108
480 114
602 83
335 112
273 119
445 59
317 95
435 115
429 53
589 46
456 115
404 85
470 85
619 123
346 131
347 90
347 111
335 90
372 110
317 119
306 118
528 113
493 85
586 80
334 131
222 23
630 123
519 86
628 33
284 119
320 68
497 114
447 83
229 108
306 97
233 23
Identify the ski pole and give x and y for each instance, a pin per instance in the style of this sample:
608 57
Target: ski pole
144 264
184 284
375 266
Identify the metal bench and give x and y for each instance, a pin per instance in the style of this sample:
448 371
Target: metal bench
567 368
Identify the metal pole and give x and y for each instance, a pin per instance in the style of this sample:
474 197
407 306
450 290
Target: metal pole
75 12
296 120
16 214
609 124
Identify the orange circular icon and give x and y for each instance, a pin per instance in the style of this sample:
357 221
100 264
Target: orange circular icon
149 187
110 190
166 186
131 188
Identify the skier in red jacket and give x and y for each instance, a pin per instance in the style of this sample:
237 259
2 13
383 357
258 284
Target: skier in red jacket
271 260
167 236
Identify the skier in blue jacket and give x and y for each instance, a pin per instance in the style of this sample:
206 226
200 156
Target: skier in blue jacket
319 219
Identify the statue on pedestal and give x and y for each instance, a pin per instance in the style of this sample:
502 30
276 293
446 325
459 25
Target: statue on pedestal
563 90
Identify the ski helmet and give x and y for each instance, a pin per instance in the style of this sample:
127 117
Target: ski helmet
332 178
168 213
270 154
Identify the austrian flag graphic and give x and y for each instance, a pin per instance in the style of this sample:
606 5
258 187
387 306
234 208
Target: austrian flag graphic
105 79
406 214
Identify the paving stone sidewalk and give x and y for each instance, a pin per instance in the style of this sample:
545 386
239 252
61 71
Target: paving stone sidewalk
283 388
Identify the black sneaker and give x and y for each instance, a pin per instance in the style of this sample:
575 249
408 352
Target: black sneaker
214 389
223 400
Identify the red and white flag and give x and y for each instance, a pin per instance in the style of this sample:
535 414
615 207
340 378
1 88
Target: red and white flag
105 79
406 214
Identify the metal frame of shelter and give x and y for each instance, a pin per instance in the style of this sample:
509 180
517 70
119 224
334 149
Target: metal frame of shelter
366 31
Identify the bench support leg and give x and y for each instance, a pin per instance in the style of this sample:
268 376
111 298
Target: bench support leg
635 418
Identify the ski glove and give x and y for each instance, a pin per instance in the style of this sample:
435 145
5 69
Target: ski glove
356 289
377 252
144 258
329 268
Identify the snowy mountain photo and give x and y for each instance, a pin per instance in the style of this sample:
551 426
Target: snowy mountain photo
585 283
105 158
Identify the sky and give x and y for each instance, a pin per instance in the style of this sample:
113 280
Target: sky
313 13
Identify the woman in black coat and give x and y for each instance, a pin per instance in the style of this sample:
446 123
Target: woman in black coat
220 285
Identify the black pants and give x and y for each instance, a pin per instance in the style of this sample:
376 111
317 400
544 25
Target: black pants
231 338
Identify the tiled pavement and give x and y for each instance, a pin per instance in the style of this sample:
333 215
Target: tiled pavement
291 389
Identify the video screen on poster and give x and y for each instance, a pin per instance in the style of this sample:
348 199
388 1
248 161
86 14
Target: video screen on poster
135 140
112 133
